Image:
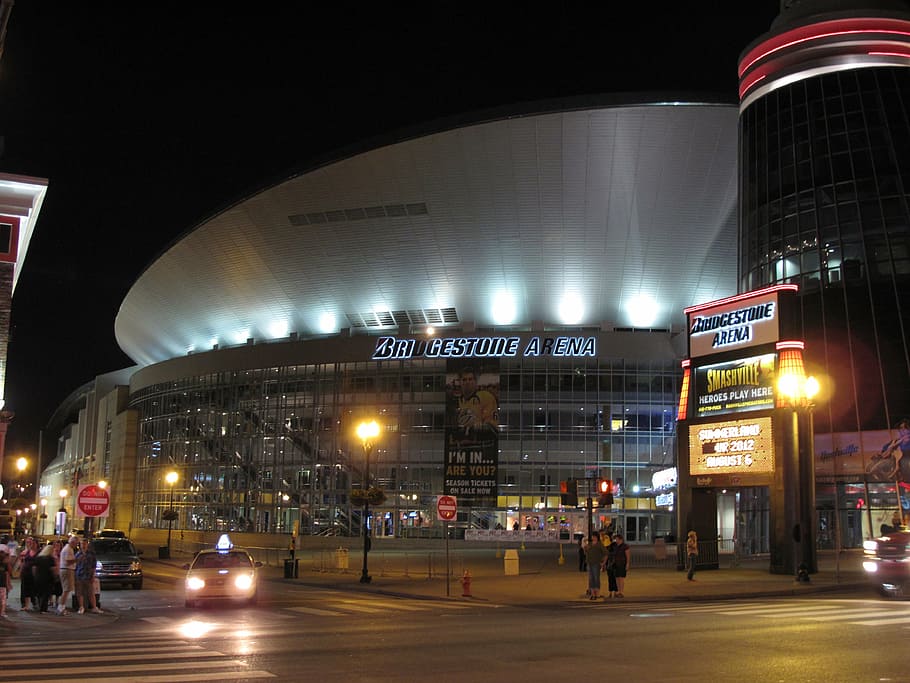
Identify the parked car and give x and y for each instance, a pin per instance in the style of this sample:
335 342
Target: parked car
118 562
887 563
111 533
222 573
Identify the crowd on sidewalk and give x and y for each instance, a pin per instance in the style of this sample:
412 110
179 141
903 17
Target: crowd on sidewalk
48 575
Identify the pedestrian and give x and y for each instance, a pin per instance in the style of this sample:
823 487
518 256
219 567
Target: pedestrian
27 576
612 588
67 573
691 554
85 577
595 554
292 547
57 590
619 562
45 576
582 562
6 579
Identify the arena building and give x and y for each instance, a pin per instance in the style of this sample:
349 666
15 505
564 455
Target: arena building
505 295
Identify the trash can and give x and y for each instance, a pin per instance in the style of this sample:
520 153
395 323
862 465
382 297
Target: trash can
511 562
341 558
290 569
660 549
164 553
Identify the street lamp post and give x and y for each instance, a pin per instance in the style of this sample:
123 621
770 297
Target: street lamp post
798 392
170 478
60 522
43 514
367 431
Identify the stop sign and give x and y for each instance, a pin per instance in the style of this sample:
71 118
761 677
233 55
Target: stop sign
446 507
92 500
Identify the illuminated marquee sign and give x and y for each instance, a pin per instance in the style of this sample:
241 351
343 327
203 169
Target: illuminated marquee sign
735 323
391 348
736 386
731 447
663 479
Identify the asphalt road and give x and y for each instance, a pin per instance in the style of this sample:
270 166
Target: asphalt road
302 633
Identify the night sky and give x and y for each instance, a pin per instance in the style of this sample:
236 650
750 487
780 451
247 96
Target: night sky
148 118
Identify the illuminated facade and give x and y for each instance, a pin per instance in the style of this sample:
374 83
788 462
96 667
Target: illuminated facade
824 202
541 251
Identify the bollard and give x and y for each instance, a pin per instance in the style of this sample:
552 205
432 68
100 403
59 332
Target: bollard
466 584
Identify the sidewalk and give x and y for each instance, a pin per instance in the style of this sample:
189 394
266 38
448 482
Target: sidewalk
543 580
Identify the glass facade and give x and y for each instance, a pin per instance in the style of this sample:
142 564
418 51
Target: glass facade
260 449
825 203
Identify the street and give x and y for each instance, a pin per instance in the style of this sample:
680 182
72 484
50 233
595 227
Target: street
299 632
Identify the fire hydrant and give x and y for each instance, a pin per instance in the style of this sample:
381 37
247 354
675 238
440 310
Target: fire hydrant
466 584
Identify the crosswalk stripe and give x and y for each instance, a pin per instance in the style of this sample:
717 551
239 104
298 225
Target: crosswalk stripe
886 620
39 674
64 646
169 678
777 612
404 606
87 658
365 609
31 657
848 615
316 612
832 611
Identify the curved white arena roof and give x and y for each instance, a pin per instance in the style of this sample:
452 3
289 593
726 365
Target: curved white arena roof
617 216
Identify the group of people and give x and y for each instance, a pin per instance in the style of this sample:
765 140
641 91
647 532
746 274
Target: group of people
49 575
615 557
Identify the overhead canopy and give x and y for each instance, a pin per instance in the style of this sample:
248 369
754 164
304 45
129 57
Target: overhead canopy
606 217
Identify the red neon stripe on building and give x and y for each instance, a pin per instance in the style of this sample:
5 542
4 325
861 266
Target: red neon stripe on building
825 29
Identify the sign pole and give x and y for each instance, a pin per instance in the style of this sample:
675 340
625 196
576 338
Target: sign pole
446 511
448 567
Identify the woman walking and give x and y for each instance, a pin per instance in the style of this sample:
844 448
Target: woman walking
691 554
595 554
27 557
618 563
45 577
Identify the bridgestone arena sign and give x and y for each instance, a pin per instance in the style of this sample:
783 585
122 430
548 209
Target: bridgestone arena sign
734 325
731 447
391 348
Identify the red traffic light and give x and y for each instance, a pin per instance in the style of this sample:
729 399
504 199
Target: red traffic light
605 489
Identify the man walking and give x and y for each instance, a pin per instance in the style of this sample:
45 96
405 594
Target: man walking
67 572
85 577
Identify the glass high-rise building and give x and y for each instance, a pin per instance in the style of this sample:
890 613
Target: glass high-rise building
824 195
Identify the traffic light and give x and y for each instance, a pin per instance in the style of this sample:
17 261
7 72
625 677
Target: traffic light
568 493
605 492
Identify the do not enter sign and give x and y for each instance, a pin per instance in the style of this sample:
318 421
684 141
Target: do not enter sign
92 500
446 507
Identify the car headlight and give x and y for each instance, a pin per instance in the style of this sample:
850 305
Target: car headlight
870 566
870 546
194 583
243 582
135 566
98 566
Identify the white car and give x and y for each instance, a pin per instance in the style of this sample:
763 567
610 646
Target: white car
222 573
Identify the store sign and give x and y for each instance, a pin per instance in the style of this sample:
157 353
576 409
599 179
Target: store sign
731 447
392 348
663 479
664 500
736 386
738 322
